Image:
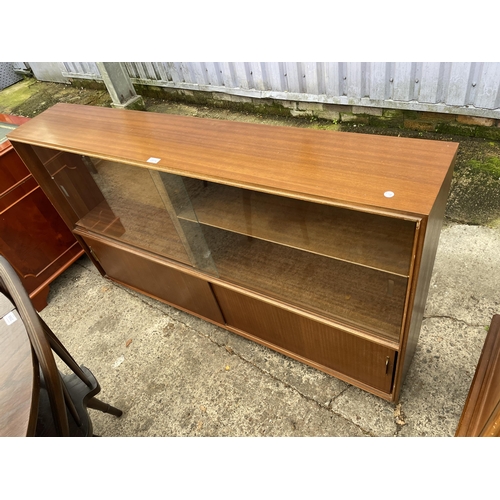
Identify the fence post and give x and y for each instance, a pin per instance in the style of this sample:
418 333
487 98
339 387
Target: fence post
119 86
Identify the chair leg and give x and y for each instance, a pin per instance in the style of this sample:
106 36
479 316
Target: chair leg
95 404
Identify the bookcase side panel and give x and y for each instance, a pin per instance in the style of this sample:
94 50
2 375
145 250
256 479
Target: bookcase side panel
429 240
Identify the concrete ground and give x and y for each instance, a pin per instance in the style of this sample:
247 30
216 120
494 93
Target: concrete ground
176 375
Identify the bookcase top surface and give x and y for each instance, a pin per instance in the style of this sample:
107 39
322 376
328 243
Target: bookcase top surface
343 168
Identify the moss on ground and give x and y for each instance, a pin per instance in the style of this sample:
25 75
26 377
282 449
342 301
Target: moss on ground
12 98
30 97
490 165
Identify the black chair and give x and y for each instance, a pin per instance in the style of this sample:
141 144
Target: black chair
63 398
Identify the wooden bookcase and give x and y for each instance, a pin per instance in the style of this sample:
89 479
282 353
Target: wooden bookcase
317 244
33 238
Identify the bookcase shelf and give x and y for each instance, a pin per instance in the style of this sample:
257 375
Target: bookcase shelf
366 239
364 297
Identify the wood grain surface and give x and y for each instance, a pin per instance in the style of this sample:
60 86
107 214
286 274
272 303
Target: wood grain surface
156 279
349 169
481 413
350 355
17 376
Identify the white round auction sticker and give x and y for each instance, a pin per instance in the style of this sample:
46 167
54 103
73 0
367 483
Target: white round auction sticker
388 194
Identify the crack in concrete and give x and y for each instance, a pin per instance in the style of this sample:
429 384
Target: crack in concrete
288 385
444 316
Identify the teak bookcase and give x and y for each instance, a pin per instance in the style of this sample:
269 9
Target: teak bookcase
33 238
317 244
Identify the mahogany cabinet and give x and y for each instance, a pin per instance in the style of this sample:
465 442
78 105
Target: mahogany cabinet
481 413
317 244
33 237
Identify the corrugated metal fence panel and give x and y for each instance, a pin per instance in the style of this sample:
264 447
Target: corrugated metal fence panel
467 87
7 75
459 83
50 72
87 70
20 66
488 92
